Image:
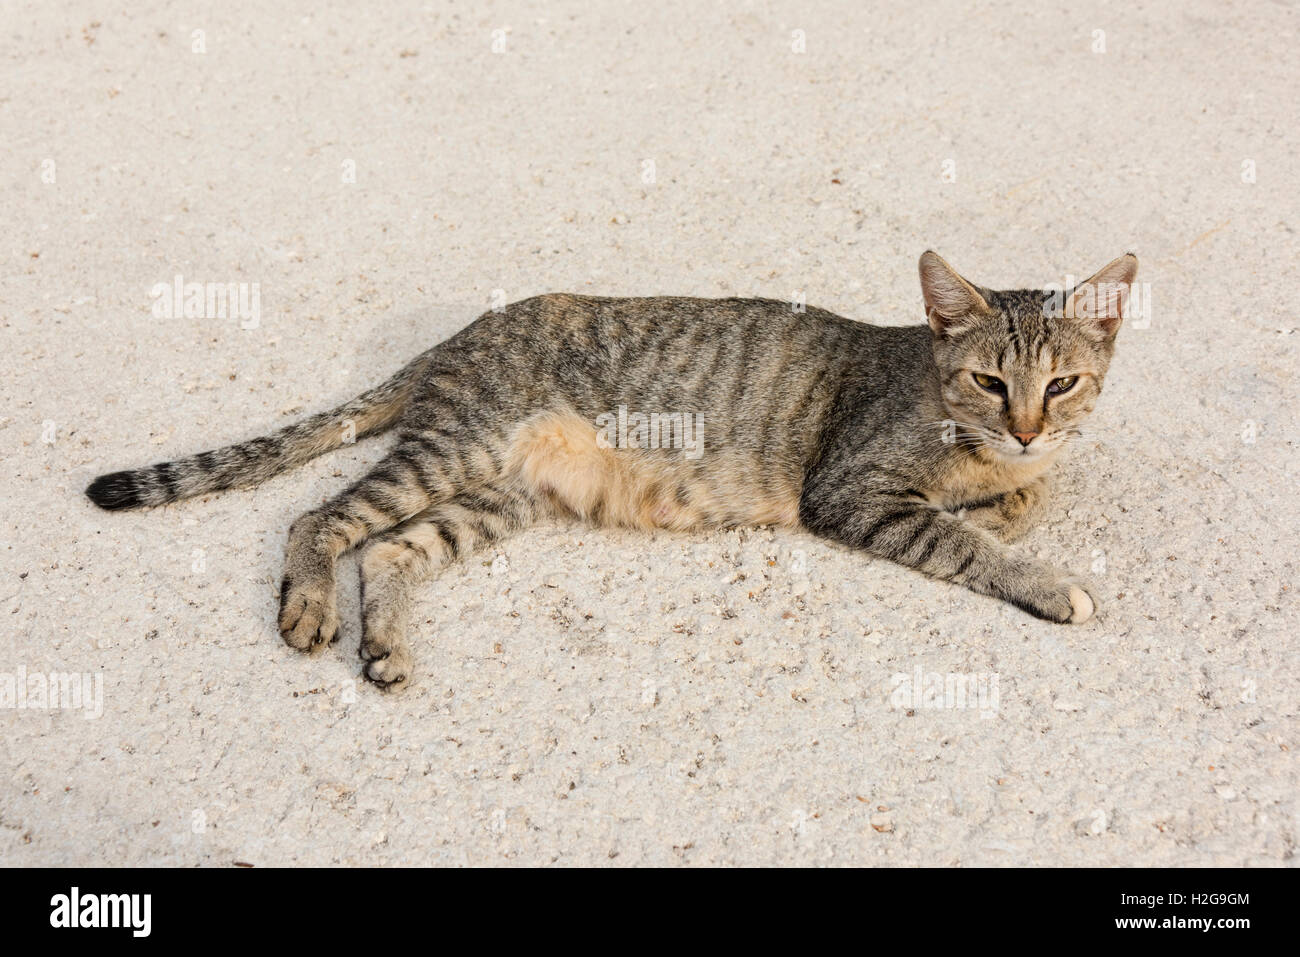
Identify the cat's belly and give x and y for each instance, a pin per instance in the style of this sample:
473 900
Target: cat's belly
562 458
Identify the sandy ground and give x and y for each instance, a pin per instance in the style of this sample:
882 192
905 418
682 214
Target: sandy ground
610 698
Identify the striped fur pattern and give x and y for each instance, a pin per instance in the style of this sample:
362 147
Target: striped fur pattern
255 461
879 438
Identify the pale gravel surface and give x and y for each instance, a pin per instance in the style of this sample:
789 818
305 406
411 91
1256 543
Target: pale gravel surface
606 697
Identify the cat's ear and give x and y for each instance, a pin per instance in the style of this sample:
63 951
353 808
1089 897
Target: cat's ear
1102 298
950 301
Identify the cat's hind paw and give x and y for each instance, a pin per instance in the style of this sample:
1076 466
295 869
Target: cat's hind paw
385 653
392 672
308 618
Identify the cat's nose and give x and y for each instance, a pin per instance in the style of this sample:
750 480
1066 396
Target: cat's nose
1024 438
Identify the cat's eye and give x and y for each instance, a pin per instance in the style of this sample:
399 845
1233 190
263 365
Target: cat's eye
1064 384
989 383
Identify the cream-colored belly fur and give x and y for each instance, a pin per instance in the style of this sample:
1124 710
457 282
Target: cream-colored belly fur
557 456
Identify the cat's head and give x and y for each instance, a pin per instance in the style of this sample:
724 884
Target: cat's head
1019 370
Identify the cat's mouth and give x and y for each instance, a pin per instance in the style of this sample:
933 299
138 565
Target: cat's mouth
1011 448
1003 446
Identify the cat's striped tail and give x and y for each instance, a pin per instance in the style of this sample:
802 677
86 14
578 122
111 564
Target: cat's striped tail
255 461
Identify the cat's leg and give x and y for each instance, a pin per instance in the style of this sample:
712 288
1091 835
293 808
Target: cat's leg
392 563
417 473
1011 515
943 546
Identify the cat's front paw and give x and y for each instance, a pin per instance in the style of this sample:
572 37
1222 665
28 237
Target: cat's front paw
1082 603
1048 593
992 520
308 618
1070 602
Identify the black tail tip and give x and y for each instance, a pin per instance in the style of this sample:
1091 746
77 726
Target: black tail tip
115 491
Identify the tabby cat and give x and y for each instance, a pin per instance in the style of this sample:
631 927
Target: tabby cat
928 445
